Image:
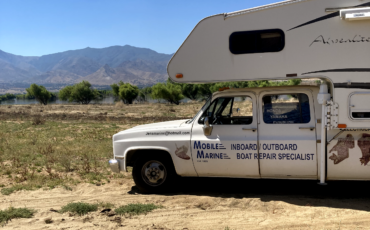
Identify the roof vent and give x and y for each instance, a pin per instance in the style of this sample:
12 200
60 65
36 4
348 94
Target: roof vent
355 14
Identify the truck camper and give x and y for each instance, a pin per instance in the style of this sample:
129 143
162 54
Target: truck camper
291 132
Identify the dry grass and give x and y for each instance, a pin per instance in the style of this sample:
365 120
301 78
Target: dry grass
62 145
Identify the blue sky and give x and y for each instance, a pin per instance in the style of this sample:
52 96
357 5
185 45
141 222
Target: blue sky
38 27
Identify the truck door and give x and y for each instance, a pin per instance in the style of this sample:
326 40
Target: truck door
287 136
231 149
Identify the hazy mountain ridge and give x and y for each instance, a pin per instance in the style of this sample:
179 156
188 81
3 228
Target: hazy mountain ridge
99 66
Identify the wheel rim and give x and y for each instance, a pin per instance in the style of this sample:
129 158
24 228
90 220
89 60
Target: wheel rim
154 173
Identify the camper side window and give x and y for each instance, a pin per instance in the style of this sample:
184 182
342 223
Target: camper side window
260 41
359 105
286 109
229 111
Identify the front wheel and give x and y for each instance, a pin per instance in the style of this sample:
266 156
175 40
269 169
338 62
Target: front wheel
153 174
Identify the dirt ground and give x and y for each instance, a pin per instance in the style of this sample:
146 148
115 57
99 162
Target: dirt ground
200 203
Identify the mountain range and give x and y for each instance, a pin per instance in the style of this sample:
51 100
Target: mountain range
105 66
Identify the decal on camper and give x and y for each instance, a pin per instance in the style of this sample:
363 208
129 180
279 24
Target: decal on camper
181 152
364 144
357 38
342 147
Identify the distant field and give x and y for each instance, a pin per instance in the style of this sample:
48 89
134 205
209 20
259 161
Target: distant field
63 145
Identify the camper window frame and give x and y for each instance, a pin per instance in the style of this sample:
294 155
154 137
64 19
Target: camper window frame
281 32
350 106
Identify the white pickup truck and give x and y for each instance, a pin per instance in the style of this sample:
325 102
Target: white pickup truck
246 133
299 132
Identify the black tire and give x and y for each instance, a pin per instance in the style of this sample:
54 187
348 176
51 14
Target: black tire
154 173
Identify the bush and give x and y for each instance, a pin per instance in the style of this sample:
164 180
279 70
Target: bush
15 188
136 209
79 208
144 93
167 91
13 213
190 91
40 93
81 92
125 91
6 97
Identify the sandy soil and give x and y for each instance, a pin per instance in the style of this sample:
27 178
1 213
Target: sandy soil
206 204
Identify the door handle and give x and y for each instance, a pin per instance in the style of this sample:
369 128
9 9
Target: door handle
249 129
310 128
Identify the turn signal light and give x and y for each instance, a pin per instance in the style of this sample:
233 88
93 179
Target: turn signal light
179 75
342 126
222 89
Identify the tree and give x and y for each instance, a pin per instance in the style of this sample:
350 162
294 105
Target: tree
81 92
128 92
204 90
144 93
41 94
115 88
167 91
190 91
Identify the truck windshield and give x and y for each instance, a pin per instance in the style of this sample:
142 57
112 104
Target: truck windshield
205 106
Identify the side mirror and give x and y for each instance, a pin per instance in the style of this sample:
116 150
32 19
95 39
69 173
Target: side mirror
207 128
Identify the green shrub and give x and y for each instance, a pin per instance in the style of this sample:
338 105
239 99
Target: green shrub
136 209
41 94
125 91
79 208
18 187
13 213
81 92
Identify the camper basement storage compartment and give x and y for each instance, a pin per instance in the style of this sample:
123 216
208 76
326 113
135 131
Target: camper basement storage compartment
291 132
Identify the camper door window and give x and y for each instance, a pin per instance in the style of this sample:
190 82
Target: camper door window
286 109
260 41
229 111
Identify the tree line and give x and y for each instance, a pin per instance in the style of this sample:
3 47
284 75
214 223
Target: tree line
171 92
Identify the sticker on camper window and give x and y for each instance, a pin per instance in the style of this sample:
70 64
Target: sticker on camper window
286 109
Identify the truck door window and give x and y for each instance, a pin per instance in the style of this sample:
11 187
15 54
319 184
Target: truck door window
229 111
286 109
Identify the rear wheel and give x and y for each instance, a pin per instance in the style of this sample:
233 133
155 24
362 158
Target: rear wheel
153 173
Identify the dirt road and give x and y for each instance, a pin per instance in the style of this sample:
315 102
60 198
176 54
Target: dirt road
206 204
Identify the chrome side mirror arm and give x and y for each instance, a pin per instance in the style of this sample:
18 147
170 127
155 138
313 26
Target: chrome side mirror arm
207 128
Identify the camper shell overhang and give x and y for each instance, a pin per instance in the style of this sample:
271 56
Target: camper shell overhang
317 43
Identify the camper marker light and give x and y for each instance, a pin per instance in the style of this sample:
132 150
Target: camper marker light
179 75
223 88
355 14
342 126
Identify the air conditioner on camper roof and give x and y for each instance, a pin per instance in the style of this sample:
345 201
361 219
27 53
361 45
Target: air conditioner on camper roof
355 14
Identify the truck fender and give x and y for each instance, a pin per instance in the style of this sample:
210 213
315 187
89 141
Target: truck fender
129 153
